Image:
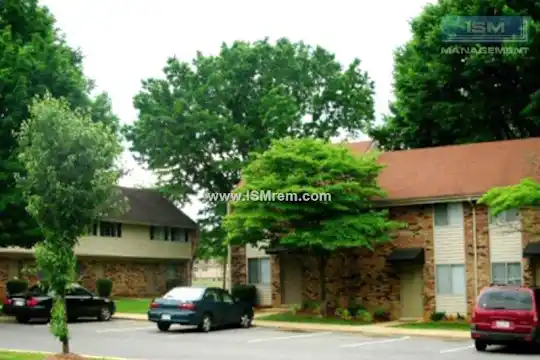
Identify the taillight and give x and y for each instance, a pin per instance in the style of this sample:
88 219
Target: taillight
31 302
535 318
154 305
187 306
7 301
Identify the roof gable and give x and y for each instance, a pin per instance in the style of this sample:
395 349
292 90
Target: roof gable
150 207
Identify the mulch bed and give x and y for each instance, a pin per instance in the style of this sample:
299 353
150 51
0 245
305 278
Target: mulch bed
69 356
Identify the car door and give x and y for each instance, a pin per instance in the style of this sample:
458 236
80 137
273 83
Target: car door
79 302
214 305
232 310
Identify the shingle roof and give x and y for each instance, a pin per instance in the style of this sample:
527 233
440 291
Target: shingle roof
458 170
360 147
150 207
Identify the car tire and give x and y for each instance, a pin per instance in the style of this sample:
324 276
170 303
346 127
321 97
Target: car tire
22 319
206 323
245 321
105 314
163 326
480 345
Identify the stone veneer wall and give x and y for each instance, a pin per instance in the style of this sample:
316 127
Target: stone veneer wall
238 265
531 227
130 278
483 261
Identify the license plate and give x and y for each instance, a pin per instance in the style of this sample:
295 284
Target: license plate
18 303
502 324
165 317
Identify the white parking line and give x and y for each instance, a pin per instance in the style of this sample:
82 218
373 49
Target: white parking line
124 329
289 337
456 349
375 342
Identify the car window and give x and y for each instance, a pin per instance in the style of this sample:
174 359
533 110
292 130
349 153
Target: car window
211 295
506 300
226 297
185 294
78 291
36 290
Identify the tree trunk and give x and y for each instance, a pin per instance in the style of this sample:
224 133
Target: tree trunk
225 274
65 340
322 279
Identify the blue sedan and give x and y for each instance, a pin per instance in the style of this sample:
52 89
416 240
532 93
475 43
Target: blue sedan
203 307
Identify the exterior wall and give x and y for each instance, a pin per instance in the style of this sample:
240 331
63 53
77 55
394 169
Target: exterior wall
130 278
264 291
531 227
238 265
134 243
366 276
478 263
449 243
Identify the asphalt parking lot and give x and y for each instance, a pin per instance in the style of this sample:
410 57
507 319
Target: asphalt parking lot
141 340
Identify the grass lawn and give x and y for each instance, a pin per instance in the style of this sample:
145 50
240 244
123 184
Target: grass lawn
305 318
132 306
12 355
437 325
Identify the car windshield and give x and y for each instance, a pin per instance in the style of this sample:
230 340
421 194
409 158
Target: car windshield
506 300
185 294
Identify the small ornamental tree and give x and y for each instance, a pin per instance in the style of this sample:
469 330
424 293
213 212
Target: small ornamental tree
69 181
345 219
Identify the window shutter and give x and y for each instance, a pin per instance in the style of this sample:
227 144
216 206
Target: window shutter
151 233
95 229
166 233
119 230
186 235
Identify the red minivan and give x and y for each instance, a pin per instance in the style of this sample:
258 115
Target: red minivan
506 314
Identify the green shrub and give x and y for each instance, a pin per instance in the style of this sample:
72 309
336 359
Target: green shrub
172 283
246 294
381 315
16 286
438 316
364 316
104 287
294 308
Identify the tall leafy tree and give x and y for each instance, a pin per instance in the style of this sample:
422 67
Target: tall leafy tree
69 181
444 99
345 218
35 59
198 125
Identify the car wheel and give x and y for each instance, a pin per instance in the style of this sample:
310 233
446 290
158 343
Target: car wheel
206 323
480 345
22 319
104 314
163 326
245 321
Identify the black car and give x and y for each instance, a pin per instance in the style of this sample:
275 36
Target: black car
35 303
203 307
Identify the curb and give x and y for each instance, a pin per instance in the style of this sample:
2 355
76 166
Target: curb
19 351
365 330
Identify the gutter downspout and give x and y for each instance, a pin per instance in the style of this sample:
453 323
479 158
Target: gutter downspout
475 250
228 274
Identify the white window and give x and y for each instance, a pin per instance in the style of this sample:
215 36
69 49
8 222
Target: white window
168 234
447 214
259 271
450 279
506 273
506 216
107 229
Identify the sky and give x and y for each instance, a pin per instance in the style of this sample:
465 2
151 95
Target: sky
126 41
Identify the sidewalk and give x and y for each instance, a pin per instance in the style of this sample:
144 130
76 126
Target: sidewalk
370 330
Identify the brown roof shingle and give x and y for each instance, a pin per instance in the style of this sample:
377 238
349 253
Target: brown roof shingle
150 207
458 170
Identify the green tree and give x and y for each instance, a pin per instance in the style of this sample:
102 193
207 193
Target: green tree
198 125
307 166
35 59
68 182
445 99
